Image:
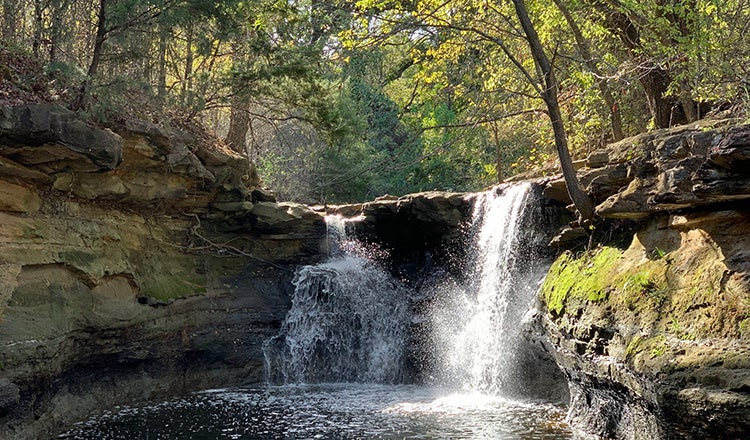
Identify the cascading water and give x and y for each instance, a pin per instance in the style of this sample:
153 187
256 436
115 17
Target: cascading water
350 318
347 322
476 321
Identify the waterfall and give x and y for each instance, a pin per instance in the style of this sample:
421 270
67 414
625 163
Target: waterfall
347 322
352 321
477 320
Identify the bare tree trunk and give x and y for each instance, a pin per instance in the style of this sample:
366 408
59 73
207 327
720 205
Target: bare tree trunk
101 37
239 117
10 22
653 78
588 59
57 13
580 199
38 27
239 124
161 68
655 82
187 84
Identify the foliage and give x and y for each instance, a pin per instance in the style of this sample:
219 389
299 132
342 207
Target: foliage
344 101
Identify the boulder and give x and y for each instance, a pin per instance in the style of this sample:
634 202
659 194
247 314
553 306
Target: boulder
38 125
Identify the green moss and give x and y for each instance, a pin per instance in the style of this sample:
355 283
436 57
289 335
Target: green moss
31 233
655 346
585 278
744 328
645 286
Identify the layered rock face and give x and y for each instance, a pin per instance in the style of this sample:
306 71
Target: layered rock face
133 265
654 335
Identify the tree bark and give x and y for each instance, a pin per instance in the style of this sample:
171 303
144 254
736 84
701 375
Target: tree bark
161 67
239 124
10 22
498 151
239 117
187 84
654 79
58 11
580 199
101 37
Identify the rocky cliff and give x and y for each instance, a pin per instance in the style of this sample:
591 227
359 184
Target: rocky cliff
652 329
133 265
145 263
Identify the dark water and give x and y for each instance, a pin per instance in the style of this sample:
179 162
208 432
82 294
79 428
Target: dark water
338 411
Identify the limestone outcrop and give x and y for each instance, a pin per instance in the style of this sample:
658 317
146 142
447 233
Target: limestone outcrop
691 166
133 265
652 329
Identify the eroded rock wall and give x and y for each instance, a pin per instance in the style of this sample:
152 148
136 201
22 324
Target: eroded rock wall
653 335
133 265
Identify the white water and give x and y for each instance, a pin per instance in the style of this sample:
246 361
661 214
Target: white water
347 322
476 321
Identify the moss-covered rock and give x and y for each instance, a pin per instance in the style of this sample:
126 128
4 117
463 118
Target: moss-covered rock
654 337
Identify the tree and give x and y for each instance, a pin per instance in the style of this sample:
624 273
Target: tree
587 57
548 92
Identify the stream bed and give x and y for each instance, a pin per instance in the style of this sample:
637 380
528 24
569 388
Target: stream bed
329 411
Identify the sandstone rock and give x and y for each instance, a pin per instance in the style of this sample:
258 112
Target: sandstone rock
35 125
557 190
10 168
631 203
234 206
286 218
597 159
263 195
568 235
653 338
684 167
16 198
180 160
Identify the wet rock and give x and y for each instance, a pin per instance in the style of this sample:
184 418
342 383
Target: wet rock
10 396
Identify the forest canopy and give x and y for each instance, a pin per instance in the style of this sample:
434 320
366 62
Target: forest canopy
341 101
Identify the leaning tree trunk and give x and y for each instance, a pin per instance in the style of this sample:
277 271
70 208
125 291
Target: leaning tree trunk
580 199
